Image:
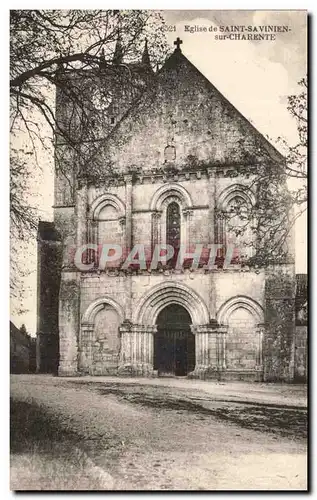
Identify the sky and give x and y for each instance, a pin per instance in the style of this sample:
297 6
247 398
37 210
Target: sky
255 76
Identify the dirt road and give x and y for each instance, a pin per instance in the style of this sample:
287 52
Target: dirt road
124 434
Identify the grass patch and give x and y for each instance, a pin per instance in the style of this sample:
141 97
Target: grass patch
44 456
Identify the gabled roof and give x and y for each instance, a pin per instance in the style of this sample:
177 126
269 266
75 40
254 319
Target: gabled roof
18 336
174 63
177 54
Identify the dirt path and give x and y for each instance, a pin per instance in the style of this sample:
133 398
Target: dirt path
133 435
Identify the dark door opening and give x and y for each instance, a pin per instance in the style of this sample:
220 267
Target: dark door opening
174 345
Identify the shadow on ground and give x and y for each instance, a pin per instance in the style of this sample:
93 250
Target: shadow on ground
282 420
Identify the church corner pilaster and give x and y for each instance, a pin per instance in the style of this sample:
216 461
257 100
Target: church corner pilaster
69 306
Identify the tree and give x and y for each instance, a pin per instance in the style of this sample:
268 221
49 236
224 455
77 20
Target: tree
52 50
280 188
23 330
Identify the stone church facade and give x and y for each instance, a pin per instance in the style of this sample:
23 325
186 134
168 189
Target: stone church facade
170 164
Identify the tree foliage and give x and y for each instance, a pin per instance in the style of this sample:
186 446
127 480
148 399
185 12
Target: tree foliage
280 188
53 51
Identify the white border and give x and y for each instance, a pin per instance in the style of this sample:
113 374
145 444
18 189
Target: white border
4 198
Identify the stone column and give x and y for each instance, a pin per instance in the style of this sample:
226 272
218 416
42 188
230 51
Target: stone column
221 333
127 238
210 350
211 203
128 205
95 240
203 356
212 237
136 354
85 348
155 222
69 298
92 238
122 222
185 229
81 215
259 360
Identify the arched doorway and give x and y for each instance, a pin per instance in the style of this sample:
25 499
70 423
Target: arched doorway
174 344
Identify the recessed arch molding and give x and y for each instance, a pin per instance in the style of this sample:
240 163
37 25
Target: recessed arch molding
107 199
240 301
99 304
169 292
170 190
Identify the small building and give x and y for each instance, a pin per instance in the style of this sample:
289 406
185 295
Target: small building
20 350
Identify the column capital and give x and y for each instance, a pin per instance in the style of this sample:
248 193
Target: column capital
211 172
92 221
127 326
211 327
260 326
187 212
87 327
144 329
205 329
156 215
128 178
219 214
122 221
222 329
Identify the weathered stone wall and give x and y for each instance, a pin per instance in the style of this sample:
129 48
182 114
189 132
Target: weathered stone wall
213 289
228 284
222 285
106 342
114 86
278 345
183 109
69 323
208 142
201 223
65 221
301 354
48 282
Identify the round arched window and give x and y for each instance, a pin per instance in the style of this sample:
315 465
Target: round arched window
173 225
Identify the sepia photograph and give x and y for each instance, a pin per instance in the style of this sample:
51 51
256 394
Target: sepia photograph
158 250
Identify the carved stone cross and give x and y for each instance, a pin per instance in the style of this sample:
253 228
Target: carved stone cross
178 42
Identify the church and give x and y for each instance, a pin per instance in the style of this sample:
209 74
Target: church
170 163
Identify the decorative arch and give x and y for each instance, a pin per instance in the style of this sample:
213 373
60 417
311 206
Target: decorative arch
225 225
107 199
160 201
231 192
239 302
171 191
169 292
97 305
